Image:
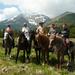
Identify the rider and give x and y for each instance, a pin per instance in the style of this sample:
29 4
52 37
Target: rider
25 30
40 29
65 33
52 31
9 31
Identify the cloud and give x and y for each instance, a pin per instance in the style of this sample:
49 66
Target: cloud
8 2
8 13
2 17
50 8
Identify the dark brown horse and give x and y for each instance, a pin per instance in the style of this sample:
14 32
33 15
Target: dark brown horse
61 50
22 45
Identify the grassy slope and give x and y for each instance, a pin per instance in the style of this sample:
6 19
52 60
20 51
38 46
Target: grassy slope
9 67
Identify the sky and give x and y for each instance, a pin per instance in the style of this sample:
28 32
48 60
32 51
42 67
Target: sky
51 8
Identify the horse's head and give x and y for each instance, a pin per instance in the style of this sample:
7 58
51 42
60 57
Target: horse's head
21 38
22 42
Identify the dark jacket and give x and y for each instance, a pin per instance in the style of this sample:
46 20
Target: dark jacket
65 32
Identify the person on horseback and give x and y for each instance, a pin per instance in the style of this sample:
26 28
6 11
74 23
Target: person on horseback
52 29
52 32
65 34
40 29
9 31
25 30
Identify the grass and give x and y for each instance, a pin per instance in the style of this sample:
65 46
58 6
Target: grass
9 67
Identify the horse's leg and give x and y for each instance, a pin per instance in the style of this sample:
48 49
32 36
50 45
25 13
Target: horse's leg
43 55
47 56
5 51
18 50
39 55
62 55
46 53
69 57
28 50
58 58
28 54
72 56
69 54
23 55
30 45
9 53
36 51
61 59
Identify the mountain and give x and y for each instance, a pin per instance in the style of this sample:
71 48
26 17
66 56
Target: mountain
18 21
33 20
36 19
67 17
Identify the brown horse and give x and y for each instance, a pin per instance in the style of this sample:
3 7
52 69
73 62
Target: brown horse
59 48
43 43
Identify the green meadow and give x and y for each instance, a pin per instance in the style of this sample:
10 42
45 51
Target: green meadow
10 67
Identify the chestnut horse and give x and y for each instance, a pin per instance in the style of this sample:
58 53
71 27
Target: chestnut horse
43 44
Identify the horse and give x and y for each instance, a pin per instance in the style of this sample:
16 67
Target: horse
8 44
40 45
60 49
34 44
43 43
22 44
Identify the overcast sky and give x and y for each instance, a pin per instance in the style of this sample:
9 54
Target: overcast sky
51 8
